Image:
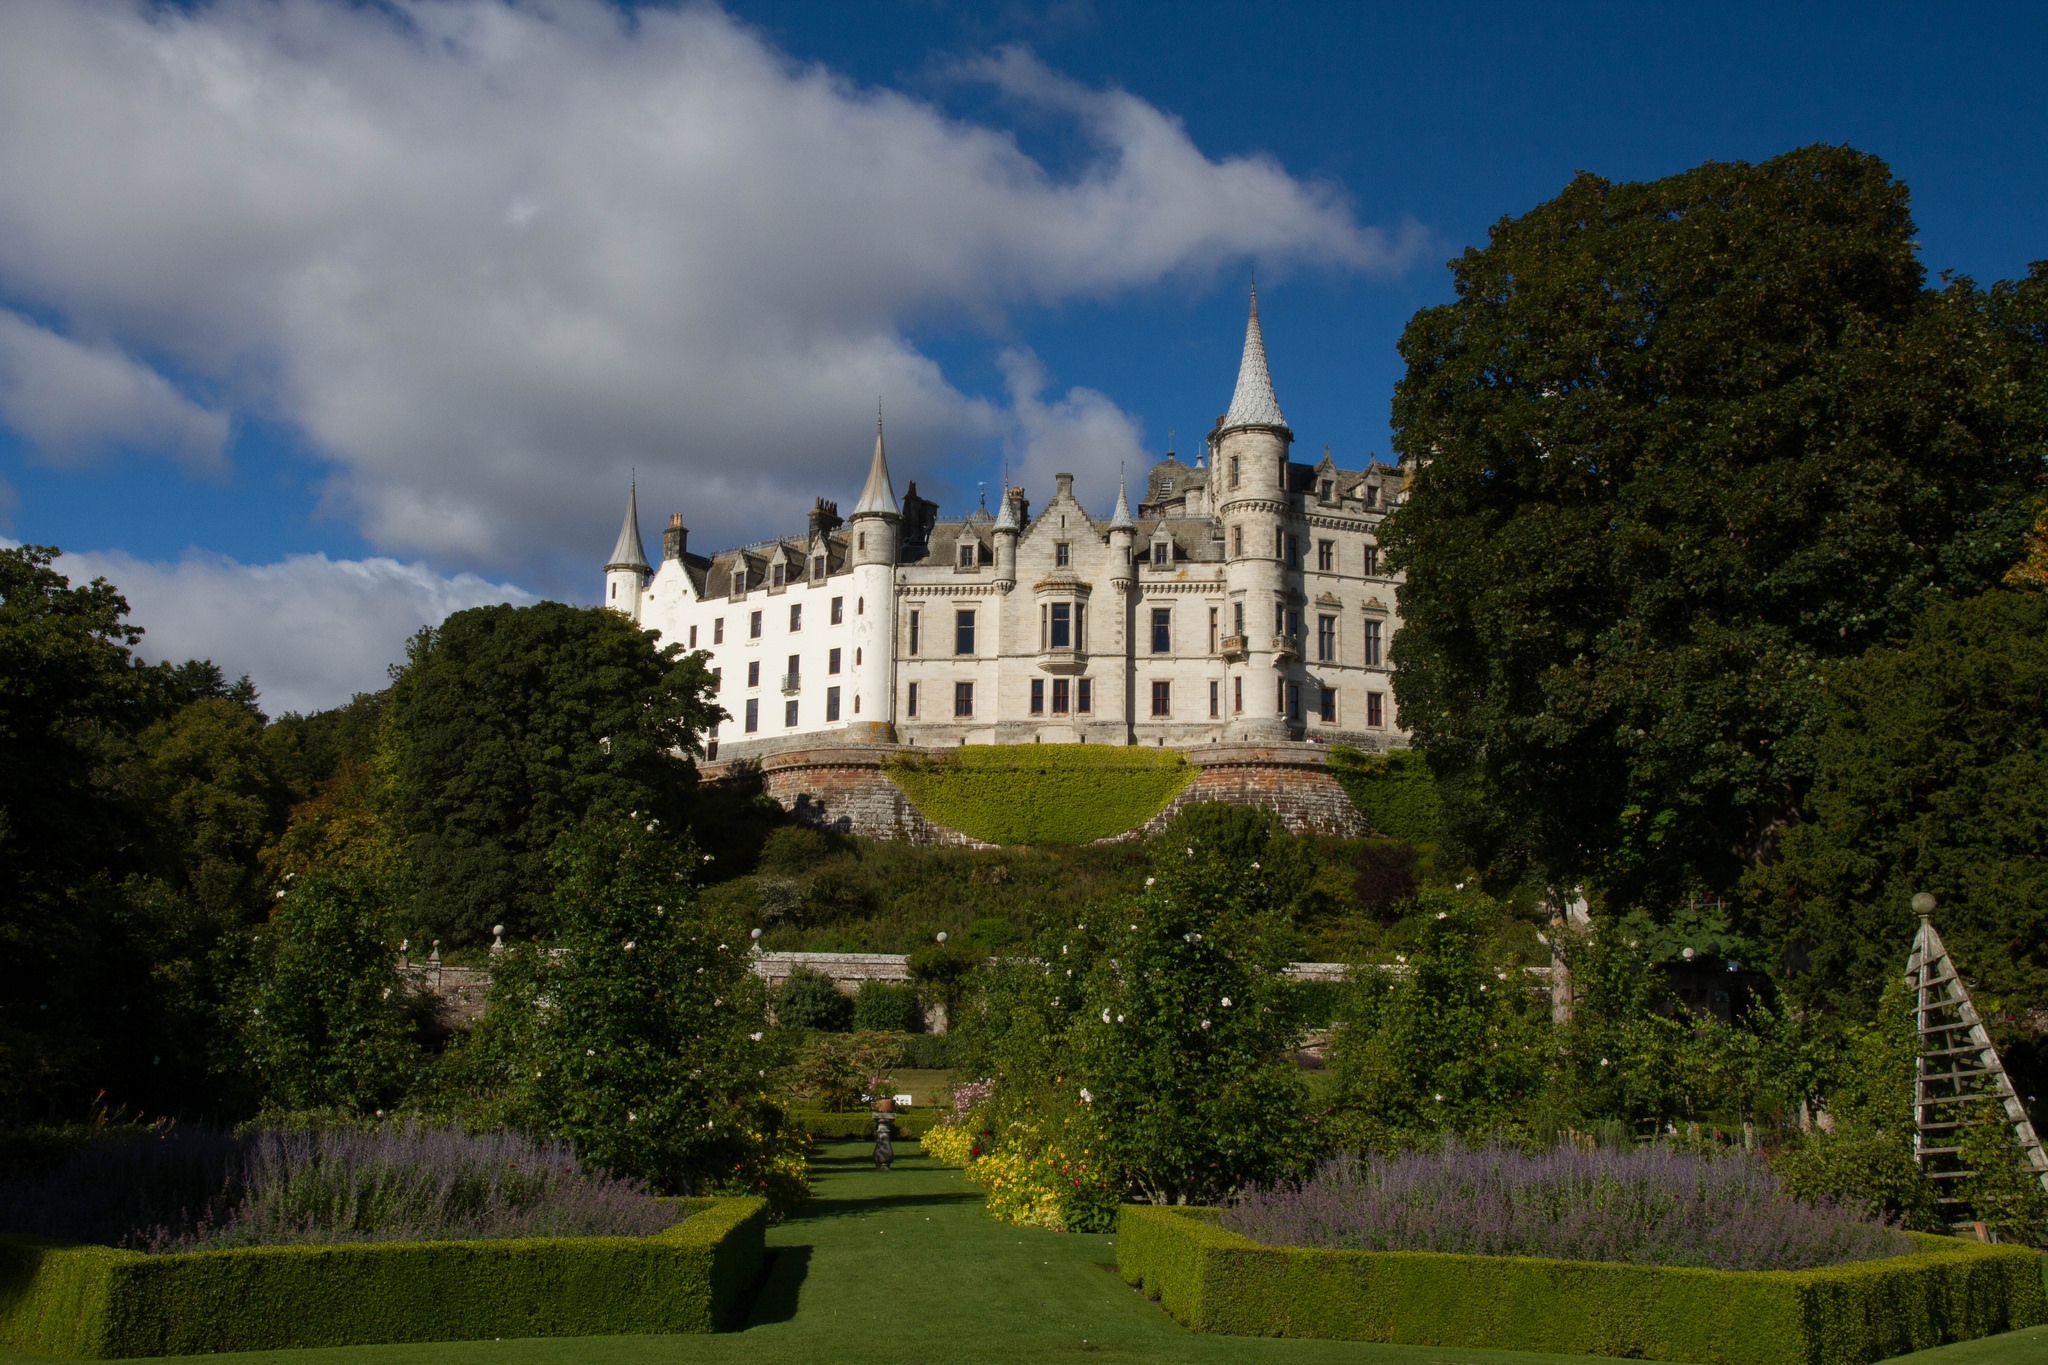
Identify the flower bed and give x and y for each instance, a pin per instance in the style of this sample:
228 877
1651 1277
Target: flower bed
1214 1280
98 1302
1646 1207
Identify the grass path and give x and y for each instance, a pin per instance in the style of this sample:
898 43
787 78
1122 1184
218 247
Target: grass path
905 1267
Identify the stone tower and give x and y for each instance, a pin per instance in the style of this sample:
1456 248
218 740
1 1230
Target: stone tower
875 526
1249 473
625 577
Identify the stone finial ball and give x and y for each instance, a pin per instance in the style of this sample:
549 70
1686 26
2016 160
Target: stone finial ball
942 935
1923 903
497 928
756 934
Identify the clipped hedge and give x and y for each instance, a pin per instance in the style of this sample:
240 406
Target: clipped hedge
99 1303
1040 793
1214 1280
1393 791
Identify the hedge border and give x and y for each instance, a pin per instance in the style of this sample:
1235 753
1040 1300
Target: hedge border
1214 1280
1018 794
100 1303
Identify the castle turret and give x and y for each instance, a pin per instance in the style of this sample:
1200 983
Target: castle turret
1006 530
625 577
1248 477
875 526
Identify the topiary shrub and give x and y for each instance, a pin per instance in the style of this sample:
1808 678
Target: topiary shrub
808 1000
1040 793
1394 792
884 1007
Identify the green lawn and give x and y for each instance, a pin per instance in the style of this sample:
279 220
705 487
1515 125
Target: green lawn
905 1267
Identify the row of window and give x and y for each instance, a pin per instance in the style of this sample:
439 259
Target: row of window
1287 549
796 621
1076 696
791 679
1325 491
1061 625
791 713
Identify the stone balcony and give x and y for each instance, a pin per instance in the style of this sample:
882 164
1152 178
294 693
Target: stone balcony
792 683
1052 659
1236 649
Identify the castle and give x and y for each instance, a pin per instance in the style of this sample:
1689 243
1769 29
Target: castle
1245 602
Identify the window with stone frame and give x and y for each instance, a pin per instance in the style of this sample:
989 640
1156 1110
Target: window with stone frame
1215 698
1062 554
1372 561
777 571
963 699
832 661
963 632
1060 633
754 625
831 703
1162 630
915 619
838 610
1061 689
789 713
753 714
1326 555
1038 696
1375 705
1162 697
753 672
718 630
1372 643
796 617
1326 639
910 701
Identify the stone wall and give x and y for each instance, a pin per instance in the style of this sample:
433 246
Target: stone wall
843 788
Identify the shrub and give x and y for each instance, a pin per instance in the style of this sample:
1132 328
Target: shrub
1452 1045
1651 1206
191 1189
1049 1167
1384 878
794 849
808 999
948 1143
322 1017
925 1051
1040 793
884 1007
1179 1054
1394 792
637 1034
840 1072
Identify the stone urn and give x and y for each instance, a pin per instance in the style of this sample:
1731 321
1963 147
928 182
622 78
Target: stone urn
885 1105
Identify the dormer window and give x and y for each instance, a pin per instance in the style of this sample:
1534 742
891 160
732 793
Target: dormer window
778 575
1372 495
966 554
1325 493
1165 488
817 566
1162 552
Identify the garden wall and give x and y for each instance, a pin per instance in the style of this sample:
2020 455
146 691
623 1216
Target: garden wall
1214 1280
844 788
98 1303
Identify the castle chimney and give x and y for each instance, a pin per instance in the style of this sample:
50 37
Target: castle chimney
675 537
824 517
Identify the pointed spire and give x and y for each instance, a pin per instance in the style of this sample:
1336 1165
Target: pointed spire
1007 519
627 554
1253 404
877 497
1120 520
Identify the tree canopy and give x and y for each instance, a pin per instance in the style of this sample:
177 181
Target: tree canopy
1677 447
507 726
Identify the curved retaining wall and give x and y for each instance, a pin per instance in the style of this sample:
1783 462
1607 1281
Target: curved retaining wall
843 788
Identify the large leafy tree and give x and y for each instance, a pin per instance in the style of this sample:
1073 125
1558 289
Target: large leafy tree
1932 776
1677 446
508 726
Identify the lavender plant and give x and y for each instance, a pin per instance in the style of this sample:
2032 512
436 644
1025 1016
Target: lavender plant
196 1189
1650 1206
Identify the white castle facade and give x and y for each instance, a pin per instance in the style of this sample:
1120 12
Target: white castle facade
1245 602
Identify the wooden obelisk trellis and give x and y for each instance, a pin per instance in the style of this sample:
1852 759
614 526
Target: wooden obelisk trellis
1957 1066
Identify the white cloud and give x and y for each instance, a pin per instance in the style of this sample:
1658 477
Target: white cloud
75 402
311 631
486 256
1083 434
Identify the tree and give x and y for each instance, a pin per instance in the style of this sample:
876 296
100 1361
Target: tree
508 726
636 1032
1675 448
218 797
1932 776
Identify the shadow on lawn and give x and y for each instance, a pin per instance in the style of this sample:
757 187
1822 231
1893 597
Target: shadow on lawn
842 1208
776 1298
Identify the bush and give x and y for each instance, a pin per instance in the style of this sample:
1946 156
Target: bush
194 1189
1040 793
1394 792
98 1302
1385 877
1049 1167
925 1052
794 849
808 999
884 1007
838 1072
323 1014
1215 1280
636 1035
1641 1207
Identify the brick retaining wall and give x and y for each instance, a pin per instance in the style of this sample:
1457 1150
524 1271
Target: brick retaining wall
843 788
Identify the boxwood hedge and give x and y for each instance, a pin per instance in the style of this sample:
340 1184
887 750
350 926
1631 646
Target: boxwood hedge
1393 791
98 1303
1040 793
1214 1280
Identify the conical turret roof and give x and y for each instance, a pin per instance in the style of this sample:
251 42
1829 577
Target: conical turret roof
1120 519
1006 520
627 554
876 496
1253 404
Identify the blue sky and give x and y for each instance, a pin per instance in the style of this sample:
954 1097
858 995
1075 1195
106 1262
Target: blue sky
347 317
